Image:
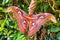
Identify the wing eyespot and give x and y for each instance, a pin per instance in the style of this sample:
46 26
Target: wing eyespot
41 17
24 21
33 24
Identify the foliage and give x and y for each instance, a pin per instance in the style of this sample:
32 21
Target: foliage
9 29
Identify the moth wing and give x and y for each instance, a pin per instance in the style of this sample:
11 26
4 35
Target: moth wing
20 16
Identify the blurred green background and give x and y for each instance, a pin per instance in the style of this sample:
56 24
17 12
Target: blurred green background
9 29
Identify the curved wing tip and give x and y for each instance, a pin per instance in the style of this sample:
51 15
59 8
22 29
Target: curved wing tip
9 9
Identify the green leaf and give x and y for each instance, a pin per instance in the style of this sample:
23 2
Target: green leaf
46 7
9 32
58 36
57 3
5 1
42 8
59 13
20 38
24 38
1 29
15 26
1 21
1 9
55 29
38 1
26 1
17 35
3 24
7 22
25 9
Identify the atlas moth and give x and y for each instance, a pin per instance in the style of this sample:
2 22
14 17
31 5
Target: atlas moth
33 23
